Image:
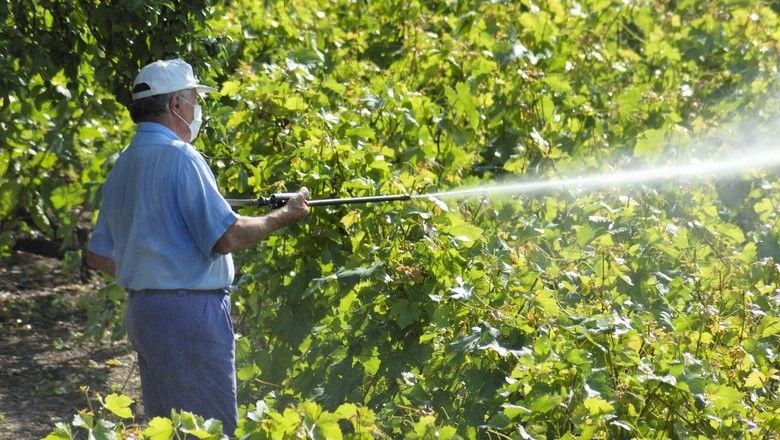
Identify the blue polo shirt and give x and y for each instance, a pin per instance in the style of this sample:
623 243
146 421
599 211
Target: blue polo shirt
162 214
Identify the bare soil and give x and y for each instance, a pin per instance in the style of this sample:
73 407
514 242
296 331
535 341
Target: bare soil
46 374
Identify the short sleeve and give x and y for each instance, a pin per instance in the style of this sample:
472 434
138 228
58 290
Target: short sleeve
101 242
204 211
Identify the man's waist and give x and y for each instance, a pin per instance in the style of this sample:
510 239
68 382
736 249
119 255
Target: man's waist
180 292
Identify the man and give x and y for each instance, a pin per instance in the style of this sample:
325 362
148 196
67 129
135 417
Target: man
166 234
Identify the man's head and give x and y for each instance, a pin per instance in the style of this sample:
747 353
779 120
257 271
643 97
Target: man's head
164 77
165 88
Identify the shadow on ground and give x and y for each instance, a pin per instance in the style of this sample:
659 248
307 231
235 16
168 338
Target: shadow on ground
45 372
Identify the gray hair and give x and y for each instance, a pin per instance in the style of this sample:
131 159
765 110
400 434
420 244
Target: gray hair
149 108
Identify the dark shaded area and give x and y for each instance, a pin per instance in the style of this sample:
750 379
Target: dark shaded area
42 365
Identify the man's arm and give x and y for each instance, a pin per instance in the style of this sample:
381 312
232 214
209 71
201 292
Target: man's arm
248 231
99 262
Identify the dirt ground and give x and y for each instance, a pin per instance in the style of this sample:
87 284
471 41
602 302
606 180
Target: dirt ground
43 367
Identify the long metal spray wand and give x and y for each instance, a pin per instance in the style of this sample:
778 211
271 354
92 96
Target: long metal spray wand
276 201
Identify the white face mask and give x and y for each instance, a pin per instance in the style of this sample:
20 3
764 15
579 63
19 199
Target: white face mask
197 120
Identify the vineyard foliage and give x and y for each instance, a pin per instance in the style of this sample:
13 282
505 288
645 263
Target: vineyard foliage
639 311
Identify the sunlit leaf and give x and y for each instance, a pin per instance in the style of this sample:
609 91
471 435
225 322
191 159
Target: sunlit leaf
159 428
598 406
546 403
119 405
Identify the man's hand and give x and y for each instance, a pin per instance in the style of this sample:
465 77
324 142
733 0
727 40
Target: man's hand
296 206
248 231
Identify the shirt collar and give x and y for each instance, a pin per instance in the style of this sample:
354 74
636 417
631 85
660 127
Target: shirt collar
155 127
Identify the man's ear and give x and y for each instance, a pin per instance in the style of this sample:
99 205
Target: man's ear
174 102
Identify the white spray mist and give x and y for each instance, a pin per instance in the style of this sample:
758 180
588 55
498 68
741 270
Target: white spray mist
753 152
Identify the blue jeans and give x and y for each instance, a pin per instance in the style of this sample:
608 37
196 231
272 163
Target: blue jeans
186 354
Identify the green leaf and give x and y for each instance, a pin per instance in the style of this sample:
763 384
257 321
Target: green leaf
247 372
9 195
770 421
230 88
546 403
261 409
725 397
41 220
755 379
196 426
61 431
467 343
425 427
558 84
463 100
67 196
578 356
447 433
731 231
361 131
597 406
159 428
333 85
346 411
289 420
105 430
460 230
84 420
119 405
768 326
295 103
311 410
515 411
320 424
765 208
405 312
651 144
544 300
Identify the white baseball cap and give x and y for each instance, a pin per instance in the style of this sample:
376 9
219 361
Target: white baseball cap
167 76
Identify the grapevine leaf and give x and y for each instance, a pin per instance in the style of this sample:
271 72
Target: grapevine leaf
597 406
405 312
119 405
159 428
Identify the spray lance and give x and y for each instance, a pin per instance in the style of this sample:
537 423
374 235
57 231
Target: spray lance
729 166
276 201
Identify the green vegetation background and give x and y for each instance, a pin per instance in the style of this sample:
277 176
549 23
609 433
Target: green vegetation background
634 312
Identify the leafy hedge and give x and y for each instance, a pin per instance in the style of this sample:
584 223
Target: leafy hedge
631 312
